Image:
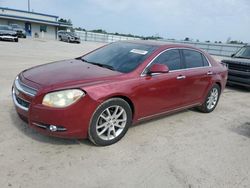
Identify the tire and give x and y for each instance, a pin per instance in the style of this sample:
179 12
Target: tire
16 40
212 99
105 128
60 38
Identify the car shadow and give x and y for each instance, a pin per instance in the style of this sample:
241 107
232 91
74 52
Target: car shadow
24 128
243 129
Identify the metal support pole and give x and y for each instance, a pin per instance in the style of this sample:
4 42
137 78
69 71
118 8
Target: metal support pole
29 5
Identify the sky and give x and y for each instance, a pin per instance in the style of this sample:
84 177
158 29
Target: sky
214 20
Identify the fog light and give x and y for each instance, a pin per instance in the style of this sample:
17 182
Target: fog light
53 128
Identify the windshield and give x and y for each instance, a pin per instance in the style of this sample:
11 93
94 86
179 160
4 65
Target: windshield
15 26
5 28
243 52
120 56
72 34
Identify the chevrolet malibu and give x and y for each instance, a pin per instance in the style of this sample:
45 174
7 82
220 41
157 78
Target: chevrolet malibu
100 94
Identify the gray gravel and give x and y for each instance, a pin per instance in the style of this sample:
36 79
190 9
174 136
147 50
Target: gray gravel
186 149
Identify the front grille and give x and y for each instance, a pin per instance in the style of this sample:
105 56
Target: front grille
22 94
22 102
20 86
239 67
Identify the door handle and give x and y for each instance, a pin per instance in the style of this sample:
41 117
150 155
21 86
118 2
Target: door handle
180 77
210 73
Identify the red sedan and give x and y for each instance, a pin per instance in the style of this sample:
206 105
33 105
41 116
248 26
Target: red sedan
99 95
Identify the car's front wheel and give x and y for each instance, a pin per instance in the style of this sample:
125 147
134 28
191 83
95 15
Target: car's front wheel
110 122
211 100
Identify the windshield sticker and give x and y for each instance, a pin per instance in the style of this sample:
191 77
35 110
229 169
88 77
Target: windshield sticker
141 52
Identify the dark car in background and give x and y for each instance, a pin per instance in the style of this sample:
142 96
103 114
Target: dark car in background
68 36
21 33
239 67
7 33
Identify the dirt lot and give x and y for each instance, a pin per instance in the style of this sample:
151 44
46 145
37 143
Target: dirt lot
187 149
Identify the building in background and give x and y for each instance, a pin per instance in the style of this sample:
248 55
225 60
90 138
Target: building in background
36 25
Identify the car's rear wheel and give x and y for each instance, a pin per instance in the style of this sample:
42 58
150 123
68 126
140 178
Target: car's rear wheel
16 40
211 100
110 122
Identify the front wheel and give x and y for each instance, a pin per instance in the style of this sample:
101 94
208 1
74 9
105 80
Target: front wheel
110 122
211 100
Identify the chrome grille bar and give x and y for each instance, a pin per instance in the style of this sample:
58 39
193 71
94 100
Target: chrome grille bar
24 89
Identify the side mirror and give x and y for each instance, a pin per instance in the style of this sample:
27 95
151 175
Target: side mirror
232 55
158 68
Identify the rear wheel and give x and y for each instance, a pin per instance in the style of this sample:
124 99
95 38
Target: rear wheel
110 122
16 40
211 99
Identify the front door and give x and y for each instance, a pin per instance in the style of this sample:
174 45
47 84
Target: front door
162 92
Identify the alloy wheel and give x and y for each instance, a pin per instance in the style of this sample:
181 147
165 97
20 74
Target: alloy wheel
111 122
212 99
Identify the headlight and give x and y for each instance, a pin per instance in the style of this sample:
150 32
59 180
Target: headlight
61 99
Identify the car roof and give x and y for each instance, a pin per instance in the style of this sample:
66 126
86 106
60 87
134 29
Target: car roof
159 44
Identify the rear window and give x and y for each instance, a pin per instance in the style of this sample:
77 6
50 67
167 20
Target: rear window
193 58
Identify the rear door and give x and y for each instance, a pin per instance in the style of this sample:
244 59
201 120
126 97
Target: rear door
198 76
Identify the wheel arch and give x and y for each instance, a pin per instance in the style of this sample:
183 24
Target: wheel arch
128 100
219 84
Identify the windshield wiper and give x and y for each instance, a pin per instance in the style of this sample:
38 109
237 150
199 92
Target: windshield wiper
242 57
103 65
98 64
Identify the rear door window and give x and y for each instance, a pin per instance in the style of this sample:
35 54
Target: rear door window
193 59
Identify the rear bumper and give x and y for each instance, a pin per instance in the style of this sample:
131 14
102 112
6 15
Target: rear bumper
21 35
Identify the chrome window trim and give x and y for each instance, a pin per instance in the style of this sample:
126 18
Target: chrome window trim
16 103
19 88
144 70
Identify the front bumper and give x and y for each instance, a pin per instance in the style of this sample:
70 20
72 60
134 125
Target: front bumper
75 40
239 78
8 37
71 122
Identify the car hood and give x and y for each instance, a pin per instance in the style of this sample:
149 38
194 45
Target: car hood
7 32
237 61
68 72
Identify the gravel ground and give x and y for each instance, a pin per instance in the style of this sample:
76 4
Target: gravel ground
186 149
